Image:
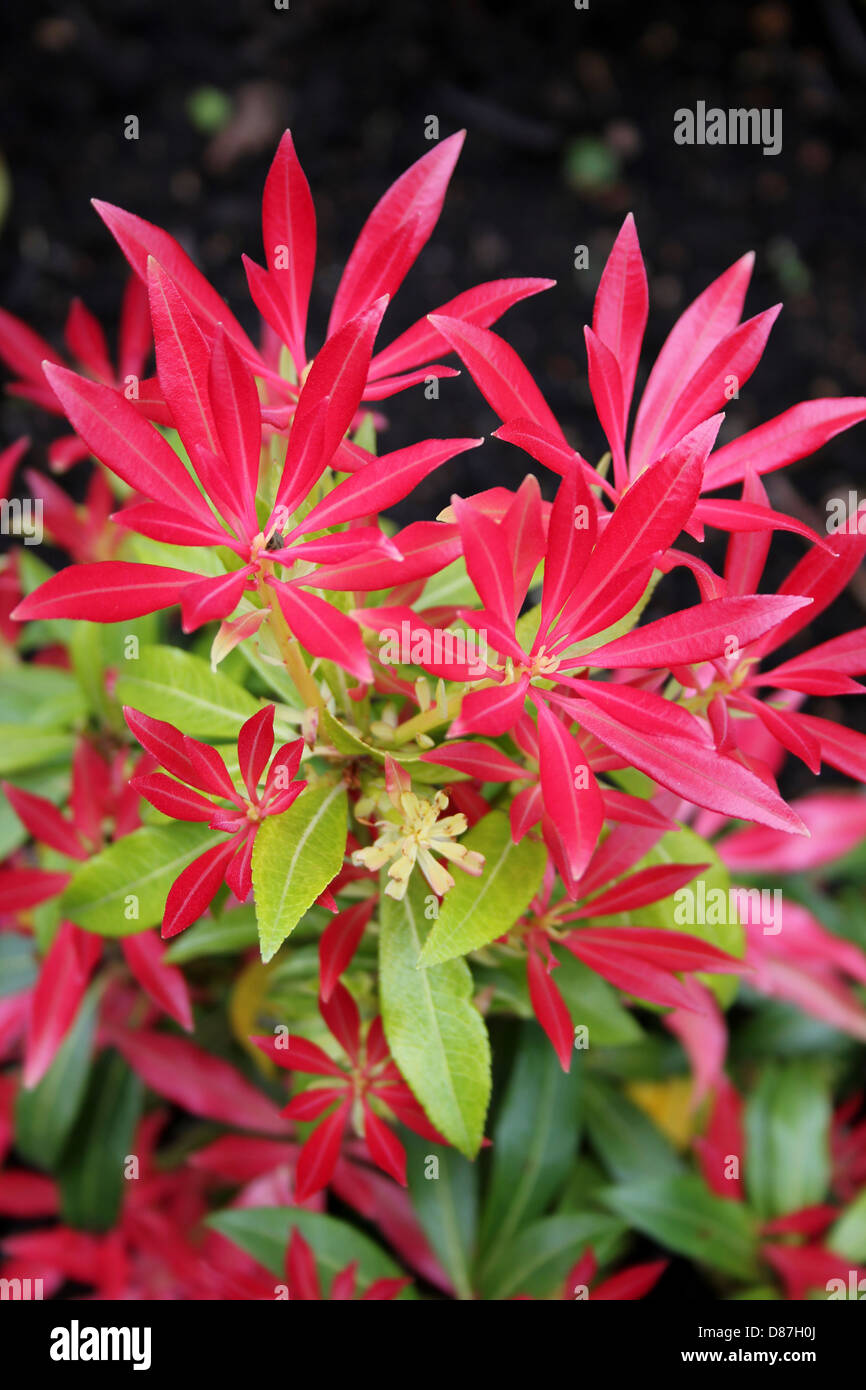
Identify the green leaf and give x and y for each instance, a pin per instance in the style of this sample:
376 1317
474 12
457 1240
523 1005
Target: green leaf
543 1253
625 1139
44 1116
133 876
848 1235
215 936
684 1216
787 1127
171 684
92 1171
445 1201
22 747
18 968
345 740
450 587
534 1140
478 910
263 1232
295 857
437 1036
43 695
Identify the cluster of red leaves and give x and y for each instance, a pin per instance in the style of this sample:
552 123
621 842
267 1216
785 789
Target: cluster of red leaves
682 699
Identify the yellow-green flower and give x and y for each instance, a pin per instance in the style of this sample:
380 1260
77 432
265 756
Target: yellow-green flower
419 834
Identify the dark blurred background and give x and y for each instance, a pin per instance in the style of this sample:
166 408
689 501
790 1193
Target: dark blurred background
570 125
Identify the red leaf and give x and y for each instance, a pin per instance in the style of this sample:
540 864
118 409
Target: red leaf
605 385
820 576
696 332
383 482
339 942
296 1053
338 375
571 795
116 433
646 886
384 1147
320 1153
172 798
194 889
255 745
698 633
568 545
731 515
164 983
86 341
341 1015
549 1008
44 822
480 760
426 547
633 974
163 740
162 523
836 822
210 599
621 308
197 1081
747 551
412 203
107 592
237 414
63 978
552 452
669 950
482 305
310 1105
9 459
695 772
488 560
139 239
24 1194
182 361
784 439
499 374
301 1275
21 889
649 518
210 773
632 1283
23 350
289 236
134 337
323 629
731 362
493 711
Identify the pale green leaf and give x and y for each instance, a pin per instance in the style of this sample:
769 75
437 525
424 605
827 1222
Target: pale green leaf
171 684
685 1217
123 889
437 1036
478 910
295 857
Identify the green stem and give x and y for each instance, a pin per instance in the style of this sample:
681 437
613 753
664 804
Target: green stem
289 649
